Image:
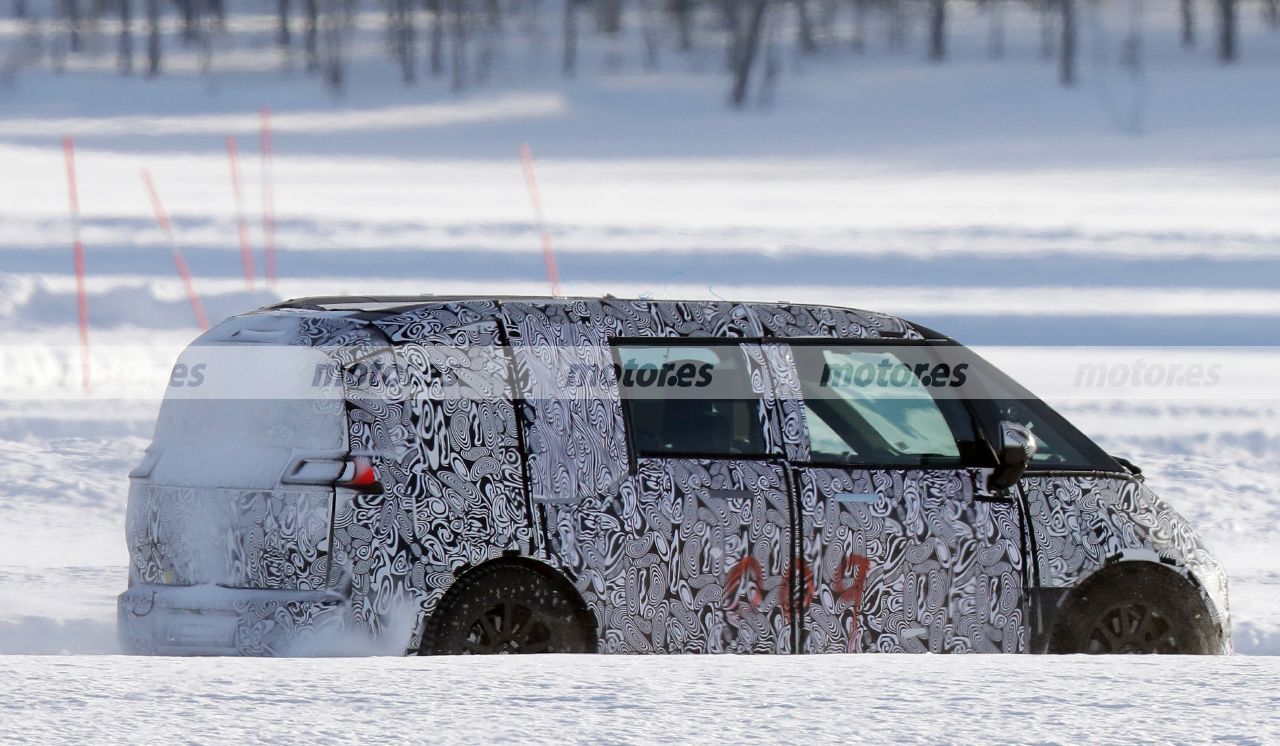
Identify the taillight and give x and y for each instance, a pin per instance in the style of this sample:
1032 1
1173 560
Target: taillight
360 474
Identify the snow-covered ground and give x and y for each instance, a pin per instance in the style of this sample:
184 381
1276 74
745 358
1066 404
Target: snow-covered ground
975 197
590 699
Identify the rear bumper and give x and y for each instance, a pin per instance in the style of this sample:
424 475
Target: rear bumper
212 620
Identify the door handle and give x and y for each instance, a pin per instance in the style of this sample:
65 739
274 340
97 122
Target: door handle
857 497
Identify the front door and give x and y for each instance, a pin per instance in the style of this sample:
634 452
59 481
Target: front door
902 551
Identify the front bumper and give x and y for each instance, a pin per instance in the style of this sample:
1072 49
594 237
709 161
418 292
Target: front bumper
212 620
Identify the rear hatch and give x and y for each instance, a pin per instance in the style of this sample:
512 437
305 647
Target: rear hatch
237 486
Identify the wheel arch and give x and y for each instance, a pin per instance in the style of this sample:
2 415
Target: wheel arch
554 578
1137 567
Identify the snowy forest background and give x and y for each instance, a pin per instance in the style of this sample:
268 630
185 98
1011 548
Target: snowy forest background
465 43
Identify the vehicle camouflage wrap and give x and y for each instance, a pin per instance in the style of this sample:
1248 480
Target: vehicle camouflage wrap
669 554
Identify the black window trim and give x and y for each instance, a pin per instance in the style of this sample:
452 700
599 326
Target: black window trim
633 453
986 449
986 369
986 455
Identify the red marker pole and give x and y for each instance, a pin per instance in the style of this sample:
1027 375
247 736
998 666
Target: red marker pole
246 254
178 261
548 253
69 150
268 196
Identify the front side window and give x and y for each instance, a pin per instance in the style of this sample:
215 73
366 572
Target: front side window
1059 445
872 405
686 400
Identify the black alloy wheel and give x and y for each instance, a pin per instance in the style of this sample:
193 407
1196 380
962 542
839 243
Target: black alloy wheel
508 609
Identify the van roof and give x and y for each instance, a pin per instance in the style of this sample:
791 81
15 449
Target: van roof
389 303
384 302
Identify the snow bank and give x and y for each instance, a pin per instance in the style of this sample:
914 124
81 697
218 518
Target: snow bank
144 304
1256 639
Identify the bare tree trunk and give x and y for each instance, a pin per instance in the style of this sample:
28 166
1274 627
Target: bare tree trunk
402 28
489 40
1272 13
859 40
188 8
747 47
1227 30
650 35
828 13
569 62
310 34
330 51
683 11
459 45
804 28
125 56
769 75
1187 10
897 25
995 34
529 18
204 36
1046 29
1131 57
493 14
57 47
335 24
729 14
937 30
20 9
153 38
282 22
73 23
608 16
1067 56
437 36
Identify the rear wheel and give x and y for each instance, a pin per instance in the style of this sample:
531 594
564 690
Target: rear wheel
507 609
1132 611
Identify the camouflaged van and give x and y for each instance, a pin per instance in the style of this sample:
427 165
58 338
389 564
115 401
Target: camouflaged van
521 475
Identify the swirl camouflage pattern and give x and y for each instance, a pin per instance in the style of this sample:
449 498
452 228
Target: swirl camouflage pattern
487 451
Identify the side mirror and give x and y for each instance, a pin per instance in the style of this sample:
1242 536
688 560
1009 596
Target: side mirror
1017 446
1128 465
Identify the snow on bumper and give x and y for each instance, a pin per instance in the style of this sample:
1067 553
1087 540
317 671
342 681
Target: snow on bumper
212 620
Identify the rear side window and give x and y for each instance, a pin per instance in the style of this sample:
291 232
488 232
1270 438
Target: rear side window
253 395
687 400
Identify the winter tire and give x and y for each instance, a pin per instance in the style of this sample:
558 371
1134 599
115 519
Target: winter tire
507 609
1135 611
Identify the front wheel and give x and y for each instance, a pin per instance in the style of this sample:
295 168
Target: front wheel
507 609
1135 612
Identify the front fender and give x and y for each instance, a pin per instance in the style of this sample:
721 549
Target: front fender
1082 523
